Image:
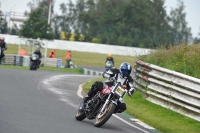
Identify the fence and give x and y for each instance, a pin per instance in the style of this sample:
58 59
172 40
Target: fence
12 59
53 62
9 59
170 89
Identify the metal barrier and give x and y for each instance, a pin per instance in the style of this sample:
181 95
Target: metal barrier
51 62
12 59
170 89
9 59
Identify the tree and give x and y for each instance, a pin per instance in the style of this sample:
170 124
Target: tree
3 23
14 29
36 26
177 19
197 39
135 23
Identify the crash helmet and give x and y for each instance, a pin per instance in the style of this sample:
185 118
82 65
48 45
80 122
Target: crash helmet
125 69
38 50
2 38
109 56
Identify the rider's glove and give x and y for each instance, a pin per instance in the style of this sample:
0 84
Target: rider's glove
130 91
105 75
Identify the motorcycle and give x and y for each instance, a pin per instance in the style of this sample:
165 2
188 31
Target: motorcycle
102 105
69 64
34 60
108 65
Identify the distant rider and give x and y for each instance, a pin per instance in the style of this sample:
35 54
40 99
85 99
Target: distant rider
120 75
3 47
110 58
40 56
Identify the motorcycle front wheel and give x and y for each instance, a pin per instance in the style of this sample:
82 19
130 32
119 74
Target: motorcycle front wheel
80 115
103 117
33 66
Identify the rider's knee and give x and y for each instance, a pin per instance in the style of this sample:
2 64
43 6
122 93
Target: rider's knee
97 86
120 108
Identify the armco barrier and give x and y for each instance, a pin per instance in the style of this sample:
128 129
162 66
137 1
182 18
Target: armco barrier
9 59
170 89
53 62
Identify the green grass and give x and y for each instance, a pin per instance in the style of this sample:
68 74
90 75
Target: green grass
68 70
164 120
182 58
78 58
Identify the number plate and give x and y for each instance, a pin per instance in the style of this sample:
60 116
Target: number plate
120 91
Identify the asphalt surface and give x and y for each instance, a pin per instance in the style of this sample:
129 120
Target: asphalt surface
46 102
94 68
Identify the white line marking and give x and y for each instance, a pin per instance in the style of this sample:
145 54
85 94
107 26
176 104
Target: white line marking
79 94
130 124
141 123
47 82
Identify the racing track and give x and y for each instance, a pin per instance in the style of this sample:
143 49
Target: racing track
46 102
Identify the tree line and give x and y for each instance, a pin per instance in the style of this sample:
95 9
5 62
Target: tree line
137 23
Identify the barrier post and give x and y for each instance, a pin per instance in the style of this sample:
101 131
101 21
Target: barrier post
17 60
59 63
26 60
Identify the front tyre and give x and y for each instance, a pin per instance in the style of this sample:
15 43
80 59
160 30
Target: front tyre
80 115
31 66
102 117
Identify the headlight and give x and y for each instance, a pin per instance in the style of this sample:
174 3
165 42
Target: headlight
34 58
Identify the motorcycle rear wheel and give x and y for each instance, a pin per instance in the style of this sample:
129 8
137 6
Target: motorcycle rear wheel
80 115
103 117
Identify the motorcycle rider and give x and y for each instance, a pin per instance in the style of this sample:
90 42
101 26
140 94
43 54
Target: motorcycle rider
3 47
120 75
40 56
110 58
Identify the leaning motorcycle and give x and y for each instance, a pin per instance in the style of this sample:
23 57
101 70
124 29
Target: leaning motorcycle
34 60
102 105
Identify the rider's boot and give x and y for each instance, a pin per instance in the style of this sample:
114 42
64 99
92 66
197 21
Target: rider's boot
85 99
89 95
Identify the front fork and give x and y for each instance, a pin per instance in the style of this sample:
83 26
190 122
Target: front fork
106 103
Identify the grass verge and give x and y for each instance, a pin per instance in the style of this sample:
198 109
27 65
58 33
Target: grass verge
181 58
162 119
